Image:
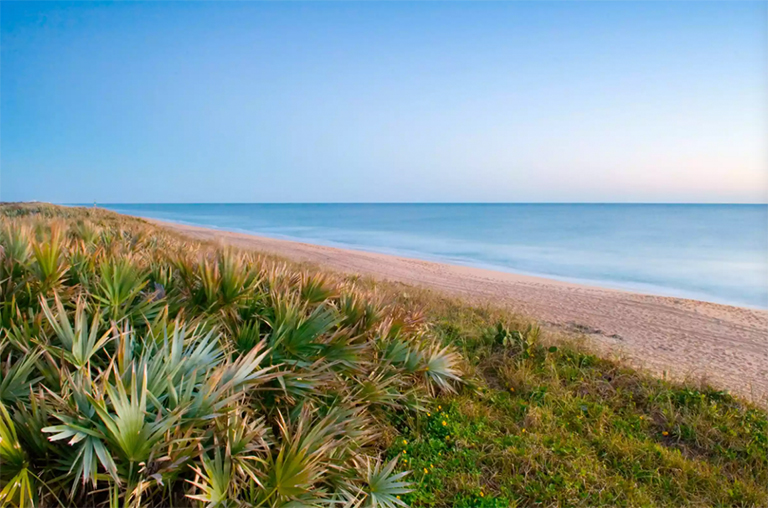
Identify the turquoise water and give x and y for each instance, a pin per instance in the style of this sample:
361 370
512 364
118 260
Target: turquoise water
715 253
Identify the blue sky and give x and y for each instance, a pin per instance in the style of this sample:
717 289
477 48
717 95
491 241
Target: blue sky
384 102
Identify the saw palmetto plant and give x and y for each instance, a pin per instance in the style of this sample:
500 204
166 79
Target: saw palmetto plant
140 369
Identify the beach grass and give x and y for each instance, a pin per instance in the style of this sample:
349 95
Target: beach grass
142 368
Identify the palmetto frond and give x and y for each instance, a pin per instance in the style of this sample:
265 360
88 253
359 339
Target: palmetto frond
359 314
380 387
316 288
81 265
299 466
295 334
78 344
176 366
214 480
16 247
382 487
90 452
49 264
17 377
230 382
403 354
30 419
119 287
247 442
441 367
246 336
236 278
86 231
12 457
218 283
17 486
19 491
129 426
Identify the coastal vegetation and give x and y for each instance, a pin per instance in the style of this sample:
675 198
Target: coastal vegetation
142 368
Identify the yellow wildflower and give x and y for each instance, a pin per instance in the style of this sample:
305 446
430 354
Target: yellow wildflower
481 494
665 433
426 470
444 424
523 431
405 442
511 389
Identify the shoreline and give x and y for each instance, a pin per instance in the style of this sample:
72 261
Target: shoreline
723 344
604 263
642 289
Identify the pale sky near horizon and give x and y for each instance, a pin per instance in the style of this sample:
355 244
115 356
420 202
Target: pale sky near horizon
384 102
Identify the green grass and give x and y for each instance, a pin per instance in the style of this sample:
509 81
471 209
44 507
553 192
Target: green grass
277 384
568 429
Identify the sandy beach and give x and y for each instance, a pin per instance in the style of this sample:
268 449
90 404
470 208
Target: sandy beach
725 345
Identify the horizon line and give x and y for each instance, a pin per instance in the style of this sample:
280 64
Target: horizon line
682 203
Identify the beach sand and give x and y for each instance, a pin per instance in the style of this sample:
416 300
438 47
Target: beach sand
724 345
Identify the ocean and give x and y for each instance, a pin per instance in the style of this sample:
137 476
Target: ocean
716 253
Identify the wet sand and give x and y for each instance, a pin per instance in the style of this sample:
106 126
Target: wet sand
723 344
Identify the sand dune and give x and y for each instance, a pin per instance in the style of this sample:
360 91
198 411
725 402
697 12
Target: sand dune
726 345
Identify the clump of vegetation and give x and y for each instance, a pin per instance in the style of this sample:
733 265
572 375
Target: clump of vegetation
143 370
140 368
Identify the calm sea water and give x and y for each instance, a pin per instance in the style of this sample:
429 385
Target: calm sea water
708 252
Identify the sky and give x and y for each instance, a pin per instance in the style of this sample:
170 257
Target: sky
188 102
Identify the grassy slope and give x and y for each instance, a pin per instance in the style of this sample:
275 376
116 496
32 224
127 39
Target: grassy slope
565 428
546 426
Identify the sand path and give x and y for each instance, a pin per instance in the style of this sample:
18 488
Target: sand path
726 345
